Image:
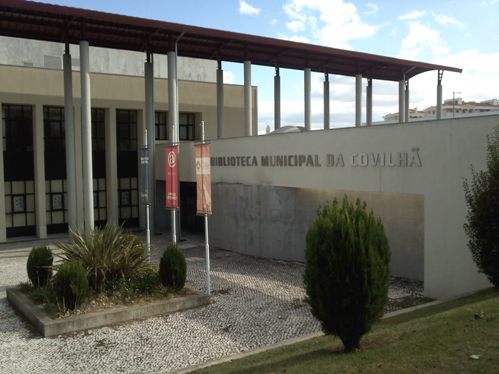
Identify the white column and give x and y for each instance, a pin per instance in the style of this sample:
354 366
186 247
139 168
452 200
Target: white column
69 128
80 218
86 124
248 120
369 102
326 102
150 126
277 99
173 124
220 101
39 164
439 94
308 98
111 167
172 97
401 100
406 106
3 226
358 100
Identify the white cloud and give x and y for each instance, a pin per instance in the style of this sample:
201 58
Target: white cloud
328 22
421 40
412 15
447 20
228 77
246 8
274 22
371 9
295 25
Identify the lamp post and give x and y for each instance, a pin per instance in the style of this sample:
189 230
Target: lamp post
454 102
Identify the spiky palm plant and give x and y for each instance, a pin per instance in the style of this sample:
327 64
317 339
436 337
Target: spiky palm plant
107 254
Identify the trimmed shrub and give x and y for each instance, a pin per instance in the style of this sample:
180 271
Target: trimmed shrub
70 285
173 268
39 266
482 220
108 254
346 271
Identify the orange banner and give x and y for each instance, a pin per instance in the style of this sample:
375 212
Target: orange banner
203 179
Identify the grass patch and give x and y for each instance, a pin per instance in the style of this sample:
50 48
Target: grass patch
437 339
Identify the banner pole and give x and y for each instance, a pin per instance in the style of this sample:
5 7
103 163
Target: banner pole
148 229
206 234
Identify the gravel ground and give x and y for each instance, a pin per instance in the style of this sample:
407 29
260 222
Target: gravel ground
256 302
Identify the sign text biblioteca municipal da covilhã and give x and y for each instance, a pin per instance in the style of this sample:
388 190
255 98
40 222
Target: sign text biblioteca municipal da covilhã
358 159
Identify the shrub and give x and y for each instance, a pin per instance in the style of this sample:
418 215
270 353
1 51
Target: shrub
107 254
346 271
70 285
482 220
39 266
173 268
136 287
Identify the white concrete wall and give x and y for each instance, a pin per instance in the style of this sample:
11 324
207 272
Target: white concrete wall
35 53
440 153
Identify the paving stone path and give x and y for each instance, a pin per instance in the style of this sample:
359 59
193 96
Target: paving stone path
256 302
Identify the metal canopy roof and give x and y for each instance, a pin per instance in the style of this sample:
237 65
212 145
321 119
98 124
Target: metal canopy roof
31 20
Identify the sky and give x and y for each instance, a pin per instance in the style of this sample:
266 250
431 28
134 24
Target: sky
458 33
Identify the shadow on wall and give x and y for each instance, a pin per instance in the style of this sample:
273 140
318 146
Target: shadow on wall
272 222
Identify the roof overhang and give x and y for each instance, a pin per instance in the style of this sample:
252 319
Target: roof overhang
32 20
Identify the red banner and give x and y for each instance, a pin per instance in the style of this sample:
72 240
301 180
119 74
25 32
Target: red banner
171 176
203 179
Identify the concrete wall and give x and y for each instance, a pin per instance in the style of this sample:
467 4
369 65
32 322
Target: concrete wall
427 158
26 52
23 85
270 221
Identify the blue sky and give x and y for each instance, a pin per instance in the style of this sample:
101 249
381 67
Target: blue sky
458 33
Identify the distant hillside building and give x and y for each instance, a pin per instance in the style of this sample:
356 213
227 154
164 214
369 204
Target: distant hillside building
451 108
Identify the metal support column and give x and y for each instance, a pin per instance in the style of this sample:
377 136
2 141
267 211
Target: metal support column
86 124
401 100
358 100
406 106
150 133
369 102
307 85
173 121
326 102
220 101
248 120
70 141
439 94
277 99
39 165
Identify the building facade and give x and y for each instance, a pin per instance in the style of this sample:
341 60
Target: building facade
34 157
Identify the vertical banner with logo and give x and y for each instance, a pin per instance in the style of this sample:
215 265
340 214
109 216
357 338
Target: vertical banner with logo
171 176
203 179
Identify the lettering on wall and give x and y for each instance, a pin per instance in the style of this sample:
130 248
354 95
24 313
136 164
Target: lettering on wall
404 159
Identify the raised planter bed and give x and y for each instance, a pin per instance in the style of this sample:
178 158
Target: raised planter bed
48 326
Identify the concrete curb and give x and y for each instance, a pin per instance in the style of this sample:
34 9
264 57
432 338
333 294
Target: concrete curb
52 327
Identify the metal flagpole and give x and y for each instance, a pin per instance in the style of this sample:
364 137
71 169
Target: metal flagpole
206 237
144 160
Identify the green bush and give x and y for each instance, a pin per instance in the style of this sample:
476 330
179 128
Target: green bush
346 271
108 254
173 268
39 266
70 285
131 288
482 220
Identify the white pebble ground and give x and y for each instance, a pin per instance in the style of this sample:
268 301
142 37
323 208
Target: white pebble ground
255 302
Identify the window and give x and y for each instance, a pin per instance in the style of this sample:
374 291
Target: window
187 126
53 118
98 130
161 126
